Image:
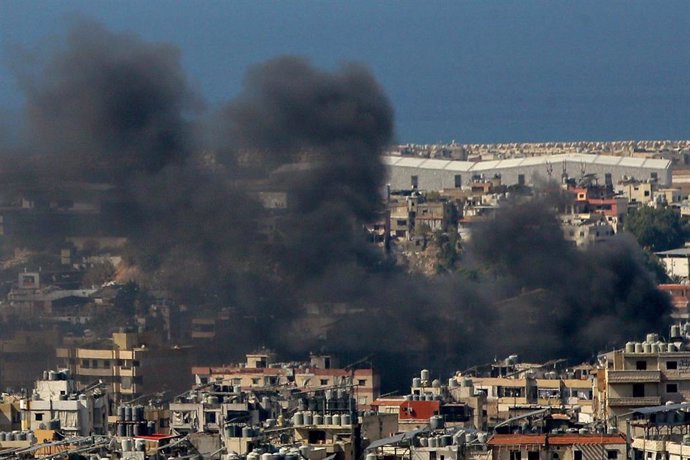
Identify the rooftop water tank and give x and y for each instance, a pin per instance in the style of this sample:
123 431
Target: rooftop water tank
675 331
308 418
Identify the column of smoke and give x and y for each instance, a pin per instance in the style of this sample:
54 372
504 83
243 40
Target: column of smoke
111 107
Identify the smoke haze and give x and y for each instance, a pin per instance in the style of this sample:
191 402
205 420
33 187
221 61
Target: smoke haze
112 107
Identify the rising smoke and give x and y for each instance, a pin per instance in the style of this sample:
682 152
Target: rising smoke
111 107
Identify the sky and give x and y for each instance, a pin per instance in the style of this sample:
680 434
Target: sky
481 71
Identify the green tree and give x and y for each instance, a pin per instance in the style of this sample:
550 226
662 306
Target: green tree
656 229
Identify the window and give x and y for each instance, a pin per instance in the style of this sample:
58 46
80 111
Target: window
210 417
533 455
638 390
515 455
671 388
323 382
458 181
641 365
38 417
85 363
607 181
672 365
577 455
521 179
654 175
135 363
94 363
106 363
255 381
317 437
612 454
414 181
361 382
402 222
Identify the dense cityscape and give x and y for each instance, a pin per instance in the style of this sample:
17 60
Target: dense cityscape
278 277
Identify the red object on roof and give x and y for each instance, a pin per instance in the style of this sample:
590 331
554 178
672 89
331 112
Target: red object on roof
418 410
555 439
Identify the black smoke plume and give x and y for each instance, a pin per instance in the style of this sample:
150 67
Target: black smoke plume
111 107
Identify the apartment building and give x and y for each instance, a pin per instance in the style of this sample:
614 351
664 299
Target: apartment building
128 366
643 374
261 371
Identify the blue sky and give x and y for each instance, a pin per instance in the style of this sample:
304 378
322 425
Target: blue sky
475 71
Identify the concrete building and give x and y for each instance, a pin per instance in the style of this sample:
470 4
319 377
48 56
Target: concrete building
129 366
676 262
557 446
642 374
260 371
57 398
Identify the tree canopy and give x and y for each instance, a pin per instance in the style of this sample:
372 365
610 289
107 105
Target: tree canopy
656 229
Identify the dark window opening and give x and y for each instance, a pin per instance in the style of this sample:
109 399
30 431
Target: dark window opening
533 455
521 179
414 181
672 365
515 455
458 181
317 437
671 388
641 365
612 454
638 390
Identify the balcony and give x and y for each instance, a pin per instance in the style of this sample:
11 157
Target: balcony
635 402
634 376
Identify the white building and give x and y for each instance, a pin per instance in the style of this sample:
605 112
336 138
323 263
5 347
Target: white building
405 173
56 398
676 262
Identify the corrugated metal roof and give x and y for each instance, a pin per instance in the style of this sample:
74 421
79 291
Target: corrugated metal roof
396 439
464 166
664 408
434 164
674 252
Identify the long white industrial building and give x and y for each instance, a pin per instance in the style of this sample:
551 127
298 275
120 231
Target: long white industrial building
433 174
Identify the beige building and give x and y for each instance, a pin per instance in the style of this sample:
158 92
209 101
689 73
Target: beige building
643 374
128 366
557 447
260 371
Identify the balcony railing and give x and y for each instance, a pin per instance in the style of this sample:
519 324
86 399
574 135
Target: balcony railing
634 376
643 401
